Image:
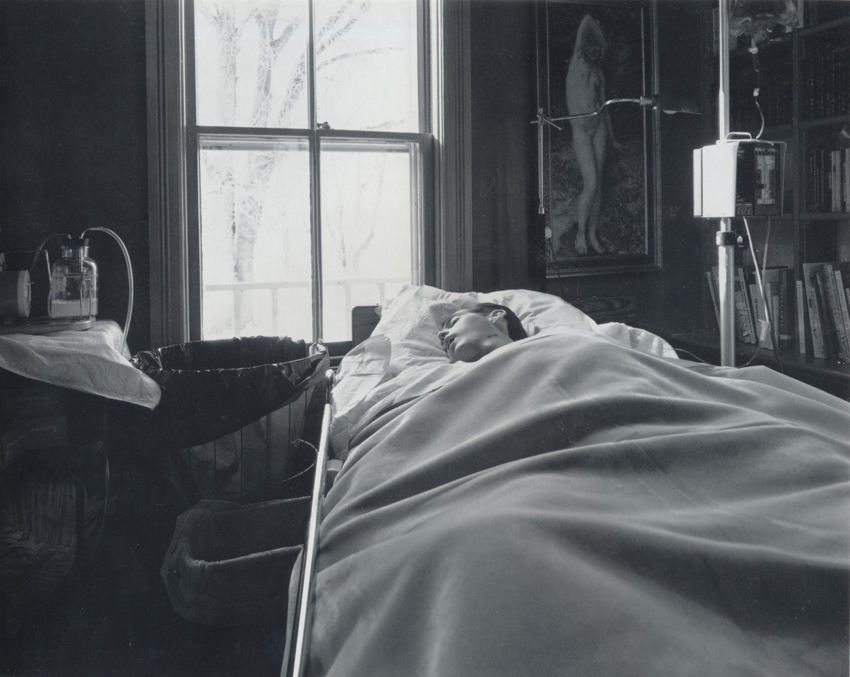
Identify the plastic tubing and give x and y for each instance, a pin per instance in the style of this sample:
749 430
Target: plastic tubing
41 246
129 277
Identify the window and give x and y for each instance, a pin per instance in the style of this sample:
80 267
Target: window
256 240
297 224
301 162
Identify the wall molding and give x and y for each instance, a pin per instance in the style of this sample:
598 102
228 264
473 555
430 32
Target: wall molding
453 133
167 223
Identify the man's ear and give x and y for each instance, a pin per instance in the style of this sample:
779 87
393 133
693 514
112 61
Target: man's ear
497 317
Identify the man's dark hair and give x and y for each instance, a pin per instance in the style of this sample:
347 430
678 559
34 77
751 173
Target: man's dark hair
515 329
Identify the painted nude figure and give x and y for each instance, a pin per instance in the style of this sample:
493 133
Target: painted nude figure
585 94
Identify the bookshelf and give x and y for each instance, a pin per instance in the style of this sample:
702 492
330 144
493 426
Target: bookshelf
826 375
804 94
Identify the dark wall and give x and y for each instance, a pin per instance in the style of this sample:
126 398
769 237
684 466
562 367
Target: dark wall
73 136
504 156
504 150
675 297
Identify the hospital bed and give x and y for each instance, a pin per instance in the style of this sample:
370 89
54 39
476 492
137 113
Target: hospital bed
579 502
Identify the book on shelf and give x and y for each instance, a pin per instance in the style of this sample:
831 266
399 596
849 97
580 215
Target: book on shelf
826 90
846 184
841 273
750 302
827 301
804 342
831 343
828 180
838 171
780 297
744 329
712 290
826 277
744 311
752 310
834 192
786 322
760 308
813 313
758 312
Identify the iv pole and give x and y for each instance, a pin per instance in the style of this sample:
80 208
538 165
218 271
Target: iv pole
725 239
667 104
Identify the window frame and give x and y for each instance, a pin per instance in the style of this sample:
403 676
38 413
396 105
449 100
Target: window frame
173 141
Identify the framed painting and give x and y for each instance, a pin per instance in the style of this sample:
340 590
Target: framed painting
601 188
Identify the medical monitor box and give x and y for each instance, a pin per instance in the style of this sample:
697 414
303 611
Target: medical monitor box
741 177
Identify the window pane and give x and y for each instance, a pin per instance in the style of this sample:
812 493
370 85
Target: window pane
370 231
367 71
250 63
255 238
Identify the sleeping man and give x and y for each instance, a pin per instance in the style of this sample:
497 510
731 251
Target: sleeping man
471 333
573 505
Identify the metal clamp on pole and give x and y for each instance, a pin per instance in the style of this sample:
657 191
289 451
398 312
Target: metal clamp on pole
731 238
540 121
726 242
726 238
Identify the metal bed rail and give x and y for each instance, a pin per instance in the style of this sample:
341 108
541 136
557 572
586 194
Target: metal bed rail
295 659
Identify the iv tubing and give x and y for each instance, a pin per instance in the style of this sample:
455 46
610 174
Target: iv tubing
754 50
129 277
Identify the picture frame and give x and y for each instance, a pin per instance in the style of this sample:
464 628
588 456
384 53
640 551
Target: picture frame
600 175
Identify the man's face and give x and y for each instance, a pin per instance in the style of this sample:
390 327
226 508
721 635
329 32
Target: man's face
468 336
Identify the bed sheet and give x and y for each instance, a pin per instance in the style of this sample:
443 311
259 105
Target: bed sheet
566 506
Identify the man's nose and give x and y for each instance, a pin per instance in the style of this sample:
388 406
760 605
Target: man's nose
442 334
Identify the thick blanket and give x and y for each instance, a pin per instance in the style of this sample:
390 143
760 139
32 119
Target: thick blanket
567 506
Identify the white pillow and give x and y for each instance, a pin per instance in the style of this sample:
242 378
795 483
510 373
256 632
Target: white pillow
413 318
406 336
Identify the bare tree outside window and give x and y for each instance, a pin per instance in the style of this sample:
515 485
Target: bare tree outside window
251 72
